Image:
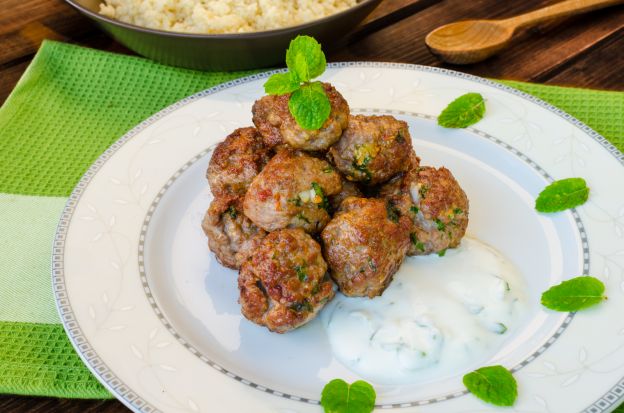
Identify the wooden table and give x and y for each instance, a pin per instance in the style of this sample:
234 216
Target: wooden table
586 51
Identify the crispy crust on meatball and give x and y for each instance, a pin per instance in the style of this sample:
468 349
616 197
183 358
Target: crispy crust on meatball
436 204
231 235
236 161
284 284
372 149
291 191
365 245
277 126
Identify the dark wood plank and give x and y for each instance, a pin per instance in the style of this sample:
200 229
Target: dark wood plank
536 55
389 12
559 44
9 77
600 69
404 41
31 21
388 7
16 404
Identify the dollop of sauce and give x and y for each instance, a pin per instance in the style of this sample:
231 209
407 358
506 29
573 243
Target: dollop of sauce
439 315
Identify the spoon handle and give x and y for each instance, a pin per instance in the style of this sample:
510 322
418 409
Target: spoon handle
562 9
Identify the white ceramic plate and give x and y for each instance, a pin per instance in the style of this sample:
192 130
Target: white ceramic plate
155 317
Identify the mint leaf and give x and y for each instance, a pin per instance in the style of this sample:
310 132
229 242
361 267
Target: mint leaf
464 111
562 194
305 59
340 397
574 294
280 84
493 384
310 106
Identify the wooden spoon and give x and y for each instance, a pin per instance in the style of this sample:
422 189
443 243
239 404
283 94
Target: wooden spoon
471 41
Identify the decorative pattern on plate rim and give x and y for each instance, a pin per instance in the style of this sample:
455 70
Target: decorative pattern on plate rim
66 312
150 297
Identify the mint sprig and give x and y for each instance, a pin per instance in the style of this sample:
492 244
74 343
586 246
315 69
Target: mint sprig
340 397
575 294
493 384
562 194
308 103
464 111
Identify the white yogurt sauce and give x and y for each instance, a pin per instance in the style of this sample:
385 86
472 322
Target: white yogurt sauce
439 315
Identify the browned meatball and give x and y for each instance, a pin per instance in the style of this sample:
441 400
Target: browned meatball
274 121
365 245
372 149
436 204
231 235
236 161
291 191
285 283
348 189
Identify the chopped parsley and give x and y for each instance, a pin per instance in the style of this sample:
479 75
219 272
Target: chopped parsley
414 238
500 328
423 191
296 201
442 253
393 213
457 211
440 225
399 136
420 246
231 211
301 274
362 168
414 209
363 156
328 169
319 192
302 217
302 306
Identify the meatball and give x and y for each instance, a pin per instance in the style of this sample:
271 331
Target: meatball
372 149
348 189
236 161
285 283
365 245
231 235
436 204
277 126
291 191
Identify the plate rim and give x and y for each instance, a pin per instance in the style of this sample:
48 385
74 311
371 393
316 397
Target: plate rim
63 305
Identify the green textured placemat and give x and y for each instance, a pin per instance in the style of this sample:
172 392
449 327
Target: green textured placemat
69 106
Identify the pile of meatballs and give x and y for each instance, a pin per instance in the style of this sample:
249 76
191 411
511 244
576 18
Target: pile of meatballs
300 212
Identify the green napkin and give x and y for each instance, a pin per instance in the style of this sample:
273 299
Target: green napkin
69 106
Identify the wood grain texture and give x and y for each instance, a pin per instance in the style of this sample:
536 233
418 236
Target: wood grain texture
586 51
535 55
608 57
15 404
472 41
